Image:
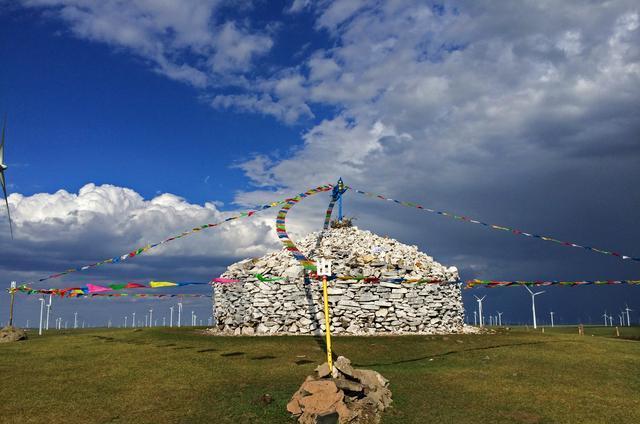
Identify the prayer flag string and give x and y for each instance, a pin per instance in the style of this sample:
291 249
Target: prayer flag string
93 289
148 247
281 229
498 227
497 283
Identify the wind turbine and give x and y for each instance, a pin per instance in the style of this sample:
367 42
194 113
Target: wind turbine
41 313
3 181
48 311
480 299
533 304
627 309
500 318
605 318
551 313
475 318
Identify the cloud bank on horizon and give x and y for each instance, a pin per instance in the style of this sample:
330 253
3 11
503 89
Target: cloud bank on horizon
520 111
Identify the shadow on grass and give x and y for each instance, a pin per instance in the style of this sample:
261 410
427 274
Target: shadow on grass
232 354
262 358
452 352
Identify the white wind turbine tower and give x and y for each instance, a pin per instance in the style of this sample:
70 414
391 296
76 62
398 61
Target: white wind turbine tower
627 309
3 168
480 299
171 316
605 318
500 318
41 313
551 313
46 327
533 304
133 320
179 314
475 318
610 320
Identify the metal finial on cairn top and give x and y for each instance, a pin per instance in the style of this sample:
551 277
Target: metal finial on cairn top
338 191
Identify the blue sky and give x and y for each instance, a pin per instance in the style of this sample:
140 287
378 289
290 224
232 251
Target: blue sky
131 127
174 114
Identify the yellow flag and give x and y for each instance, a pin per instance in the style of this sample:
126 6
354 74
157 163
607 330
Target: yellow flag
161 284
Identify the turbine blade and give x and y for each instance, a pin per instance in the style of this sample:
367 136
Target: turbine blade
6 201
4 126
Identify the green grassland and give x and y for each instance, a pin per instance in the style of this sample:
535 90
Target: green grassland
179 376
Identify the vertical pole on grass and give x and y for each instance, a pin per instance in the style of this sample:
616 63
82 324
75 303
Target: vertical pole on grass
324 269
12 290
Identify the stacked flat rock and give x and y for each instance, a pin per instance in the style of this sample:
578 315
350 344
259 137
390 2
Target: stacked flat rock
292 306
346 395
12 334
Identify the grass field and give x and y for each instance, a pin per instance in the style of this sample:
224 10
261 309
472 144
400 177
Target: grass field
176 375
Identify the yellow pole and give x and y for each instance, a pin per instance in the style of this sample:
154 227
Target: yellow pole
327 322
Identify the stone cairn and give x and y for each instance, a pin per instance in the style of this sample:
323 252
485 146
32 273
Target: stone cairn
12 334
293 306
346 395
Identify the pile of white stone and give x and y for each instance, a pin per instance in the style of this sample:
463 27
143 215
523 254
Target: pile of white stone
293 304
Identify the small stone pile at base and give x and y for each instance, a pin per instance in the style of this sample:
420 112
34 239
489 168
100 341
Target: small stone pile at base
347 395
12 334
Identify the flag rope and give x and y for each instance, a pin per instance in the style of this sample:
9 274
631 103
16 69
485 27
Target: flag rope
141 250
497 227
497 283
